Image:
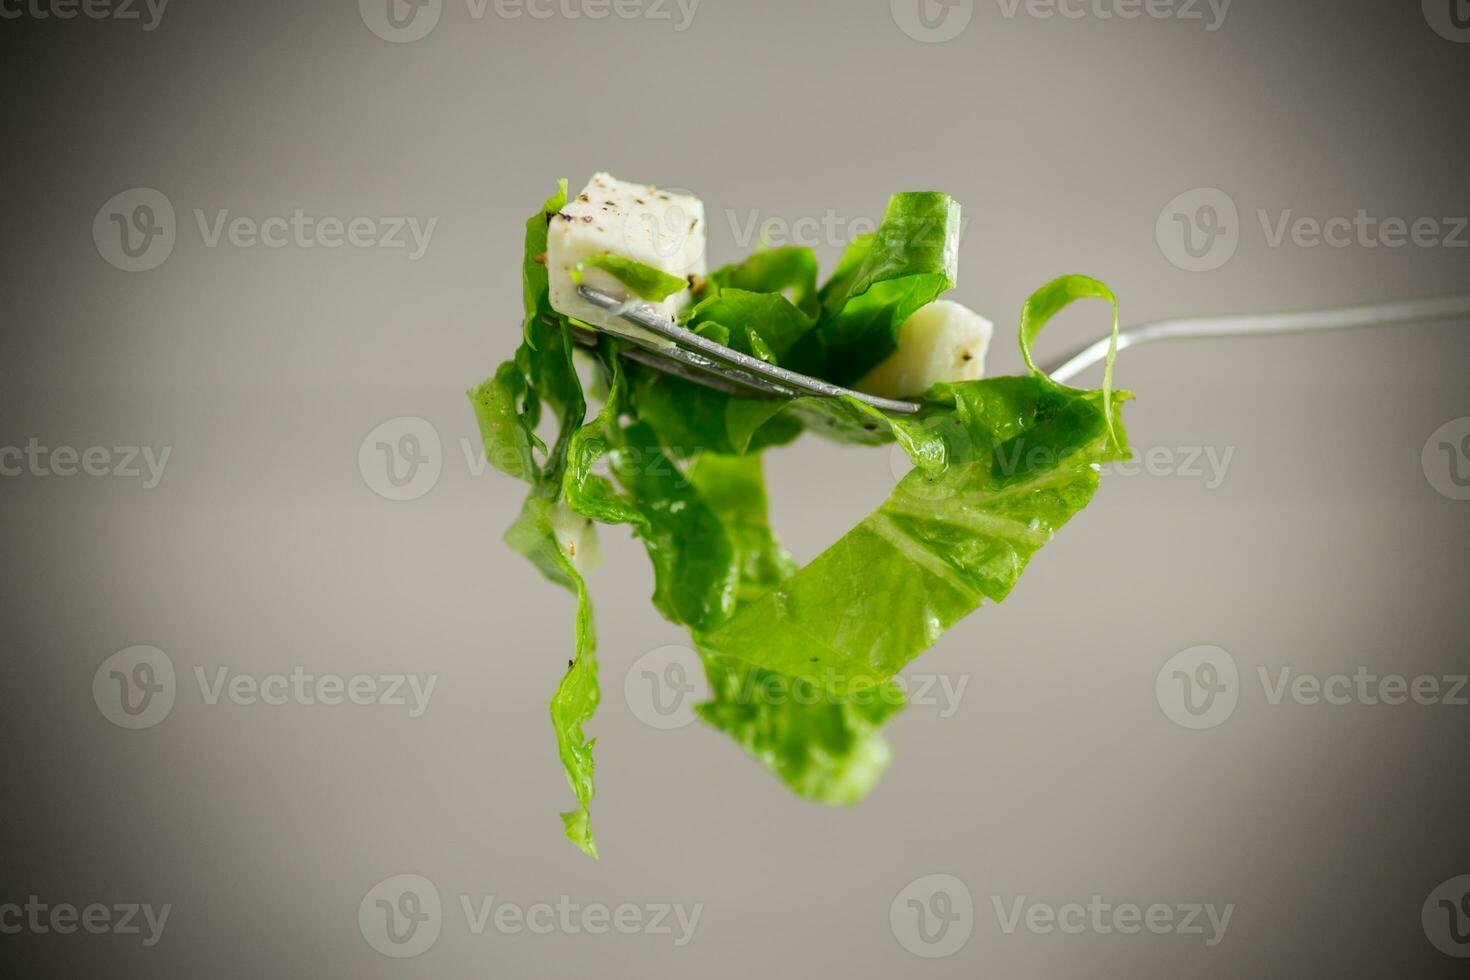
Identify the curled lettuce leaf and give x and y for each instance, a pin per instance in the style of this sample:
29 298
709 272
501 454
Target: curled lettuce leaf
882 280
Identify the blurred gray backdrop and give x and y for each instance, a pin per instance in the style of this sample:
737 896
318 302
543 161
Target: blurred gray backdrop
1054 809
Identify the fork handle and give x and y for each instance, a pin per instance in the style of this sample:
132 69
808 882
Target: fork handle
1380 314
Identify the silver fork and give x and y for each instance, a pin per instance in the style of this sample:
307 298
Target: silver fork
701 360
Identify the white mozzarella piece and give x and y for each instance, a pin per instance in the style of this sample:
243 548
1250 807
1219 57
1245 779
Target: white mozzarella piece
943 341
635 221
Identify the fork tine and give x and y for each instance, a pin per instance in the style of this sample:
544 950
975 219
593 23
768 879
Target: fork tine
689 366
730 364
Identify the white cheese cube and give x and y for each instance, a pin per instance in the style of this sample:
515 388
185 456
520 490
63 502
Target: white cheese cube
576 536
943 341
634 221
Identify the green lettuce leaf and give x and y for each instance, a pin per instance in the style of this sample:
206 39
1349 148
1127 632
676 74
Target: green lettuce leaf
507 409
689 419
577 694
645 282
825 747
1000 465
694 562
763 323
882 280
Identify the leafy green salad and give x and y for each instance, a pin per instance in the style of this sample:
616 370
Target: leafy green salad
999 464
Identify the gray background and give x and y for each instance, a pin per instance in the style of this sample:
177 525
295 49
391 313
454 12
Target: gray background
1059 776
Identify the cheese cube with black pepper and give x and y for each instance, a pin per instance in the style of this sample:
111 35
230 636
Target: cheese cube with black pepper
658 228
